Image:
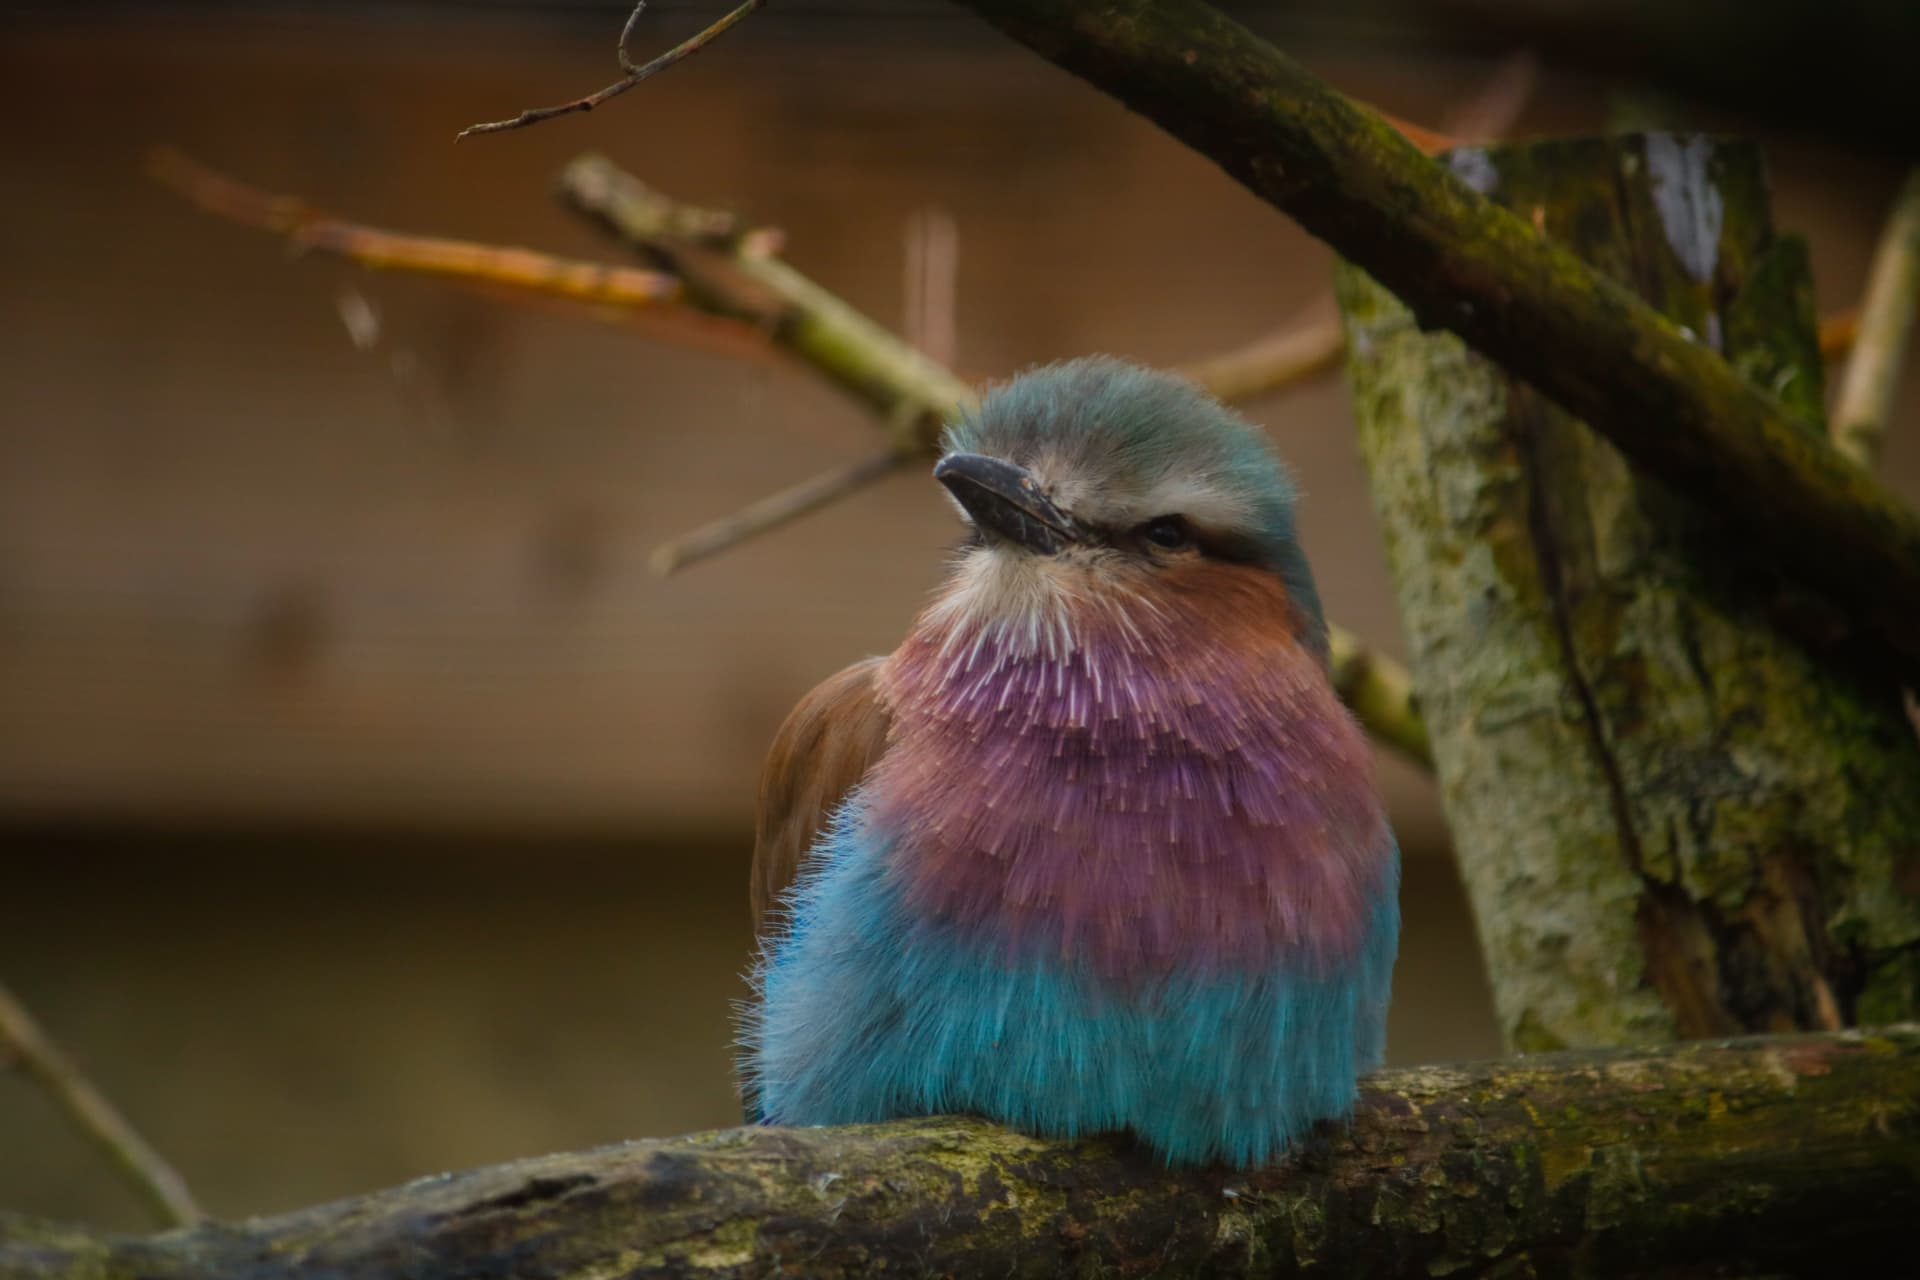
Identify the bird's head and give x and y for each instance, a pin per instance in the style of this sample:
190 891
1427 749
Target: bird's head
1095 477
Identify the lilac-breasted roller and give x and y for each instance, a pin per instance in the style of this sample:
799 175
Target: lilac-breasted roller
1097 847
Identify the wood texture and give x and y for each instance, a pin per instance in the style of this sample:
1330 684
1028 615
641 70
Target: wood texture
1789 1155
1675 814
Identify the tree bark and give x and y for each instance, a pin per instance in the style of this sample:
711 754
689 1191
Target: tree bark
1667 400
1709 1158
1674 818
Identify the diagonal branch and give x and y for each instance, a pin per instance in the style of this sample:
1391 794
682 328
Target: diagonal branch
774 511
1670 403
1315 340
634 73
1736 1157
1867 388
307 228
22 1039
907 390
1310 343
636 299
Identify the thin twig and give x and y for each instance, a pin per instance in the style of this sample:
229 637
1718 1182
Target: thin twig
1306 346
909 393
628 296
1872 376
22 1038
634 73
306 227
774 511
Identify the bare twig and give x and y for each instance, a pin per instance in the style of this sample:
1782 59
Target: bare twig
308 228
633 298
773 511
634 74
1310 344
1867 387
21 1038
910 393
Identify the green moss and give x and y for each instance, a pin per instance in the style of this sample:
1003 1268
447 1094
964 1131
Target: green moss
1670 815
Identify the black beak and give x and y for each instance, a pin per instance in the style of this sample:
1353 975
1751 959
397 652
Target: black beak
1004 501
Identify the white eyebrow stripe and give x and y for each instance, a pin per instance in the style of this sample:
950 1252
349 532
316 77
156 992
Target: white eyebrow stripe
1202 503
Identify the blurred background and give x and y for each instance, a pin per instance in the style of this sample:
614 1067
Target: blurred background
367 808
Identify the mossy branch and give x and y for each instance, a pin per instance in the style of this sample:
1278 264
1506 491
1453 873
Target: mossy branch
1732 1156
1675 813
1670 403
909 392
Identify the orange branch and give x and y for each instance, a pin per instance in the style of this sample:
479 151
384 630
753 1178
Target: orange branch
307 228
634 72
647 301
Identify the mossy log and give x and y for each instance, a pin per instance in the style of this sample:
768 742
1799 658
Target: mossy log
1777 1156
1463 264
1674 814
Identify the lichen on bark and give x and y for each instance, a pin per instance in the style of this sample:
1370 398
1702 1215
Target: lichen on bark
1677 812
1724 1158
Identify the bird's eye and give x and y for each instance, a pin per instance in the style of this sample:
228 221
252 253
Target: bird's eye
1169 533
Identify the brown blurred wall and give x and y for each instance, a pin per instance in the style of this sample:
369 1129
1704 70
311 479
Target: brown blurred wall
368 809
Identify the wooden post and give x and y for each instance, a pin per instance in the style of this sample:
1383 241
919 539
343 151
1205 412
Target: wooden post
1676 813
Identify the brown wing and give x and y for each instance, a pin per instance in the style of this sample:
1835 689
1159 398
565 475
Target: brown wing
822 751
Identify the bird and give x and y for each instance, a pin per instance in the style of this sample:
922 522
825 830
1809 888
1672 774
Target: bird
1097 848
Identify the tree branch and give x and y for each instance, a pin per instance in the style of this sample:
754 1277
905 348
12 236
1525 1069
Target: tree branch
22 1040
307 228
774 511
641 300
1865 402
634 73
1724 1156
909 392
1379 691
1312 343
1649 825
1668 401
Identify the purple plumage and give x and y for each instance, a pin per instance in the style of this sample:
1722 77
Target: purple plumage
1110 787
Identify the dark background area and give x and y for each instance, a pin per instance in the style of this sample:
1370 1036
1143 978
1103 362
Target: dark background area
367 809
